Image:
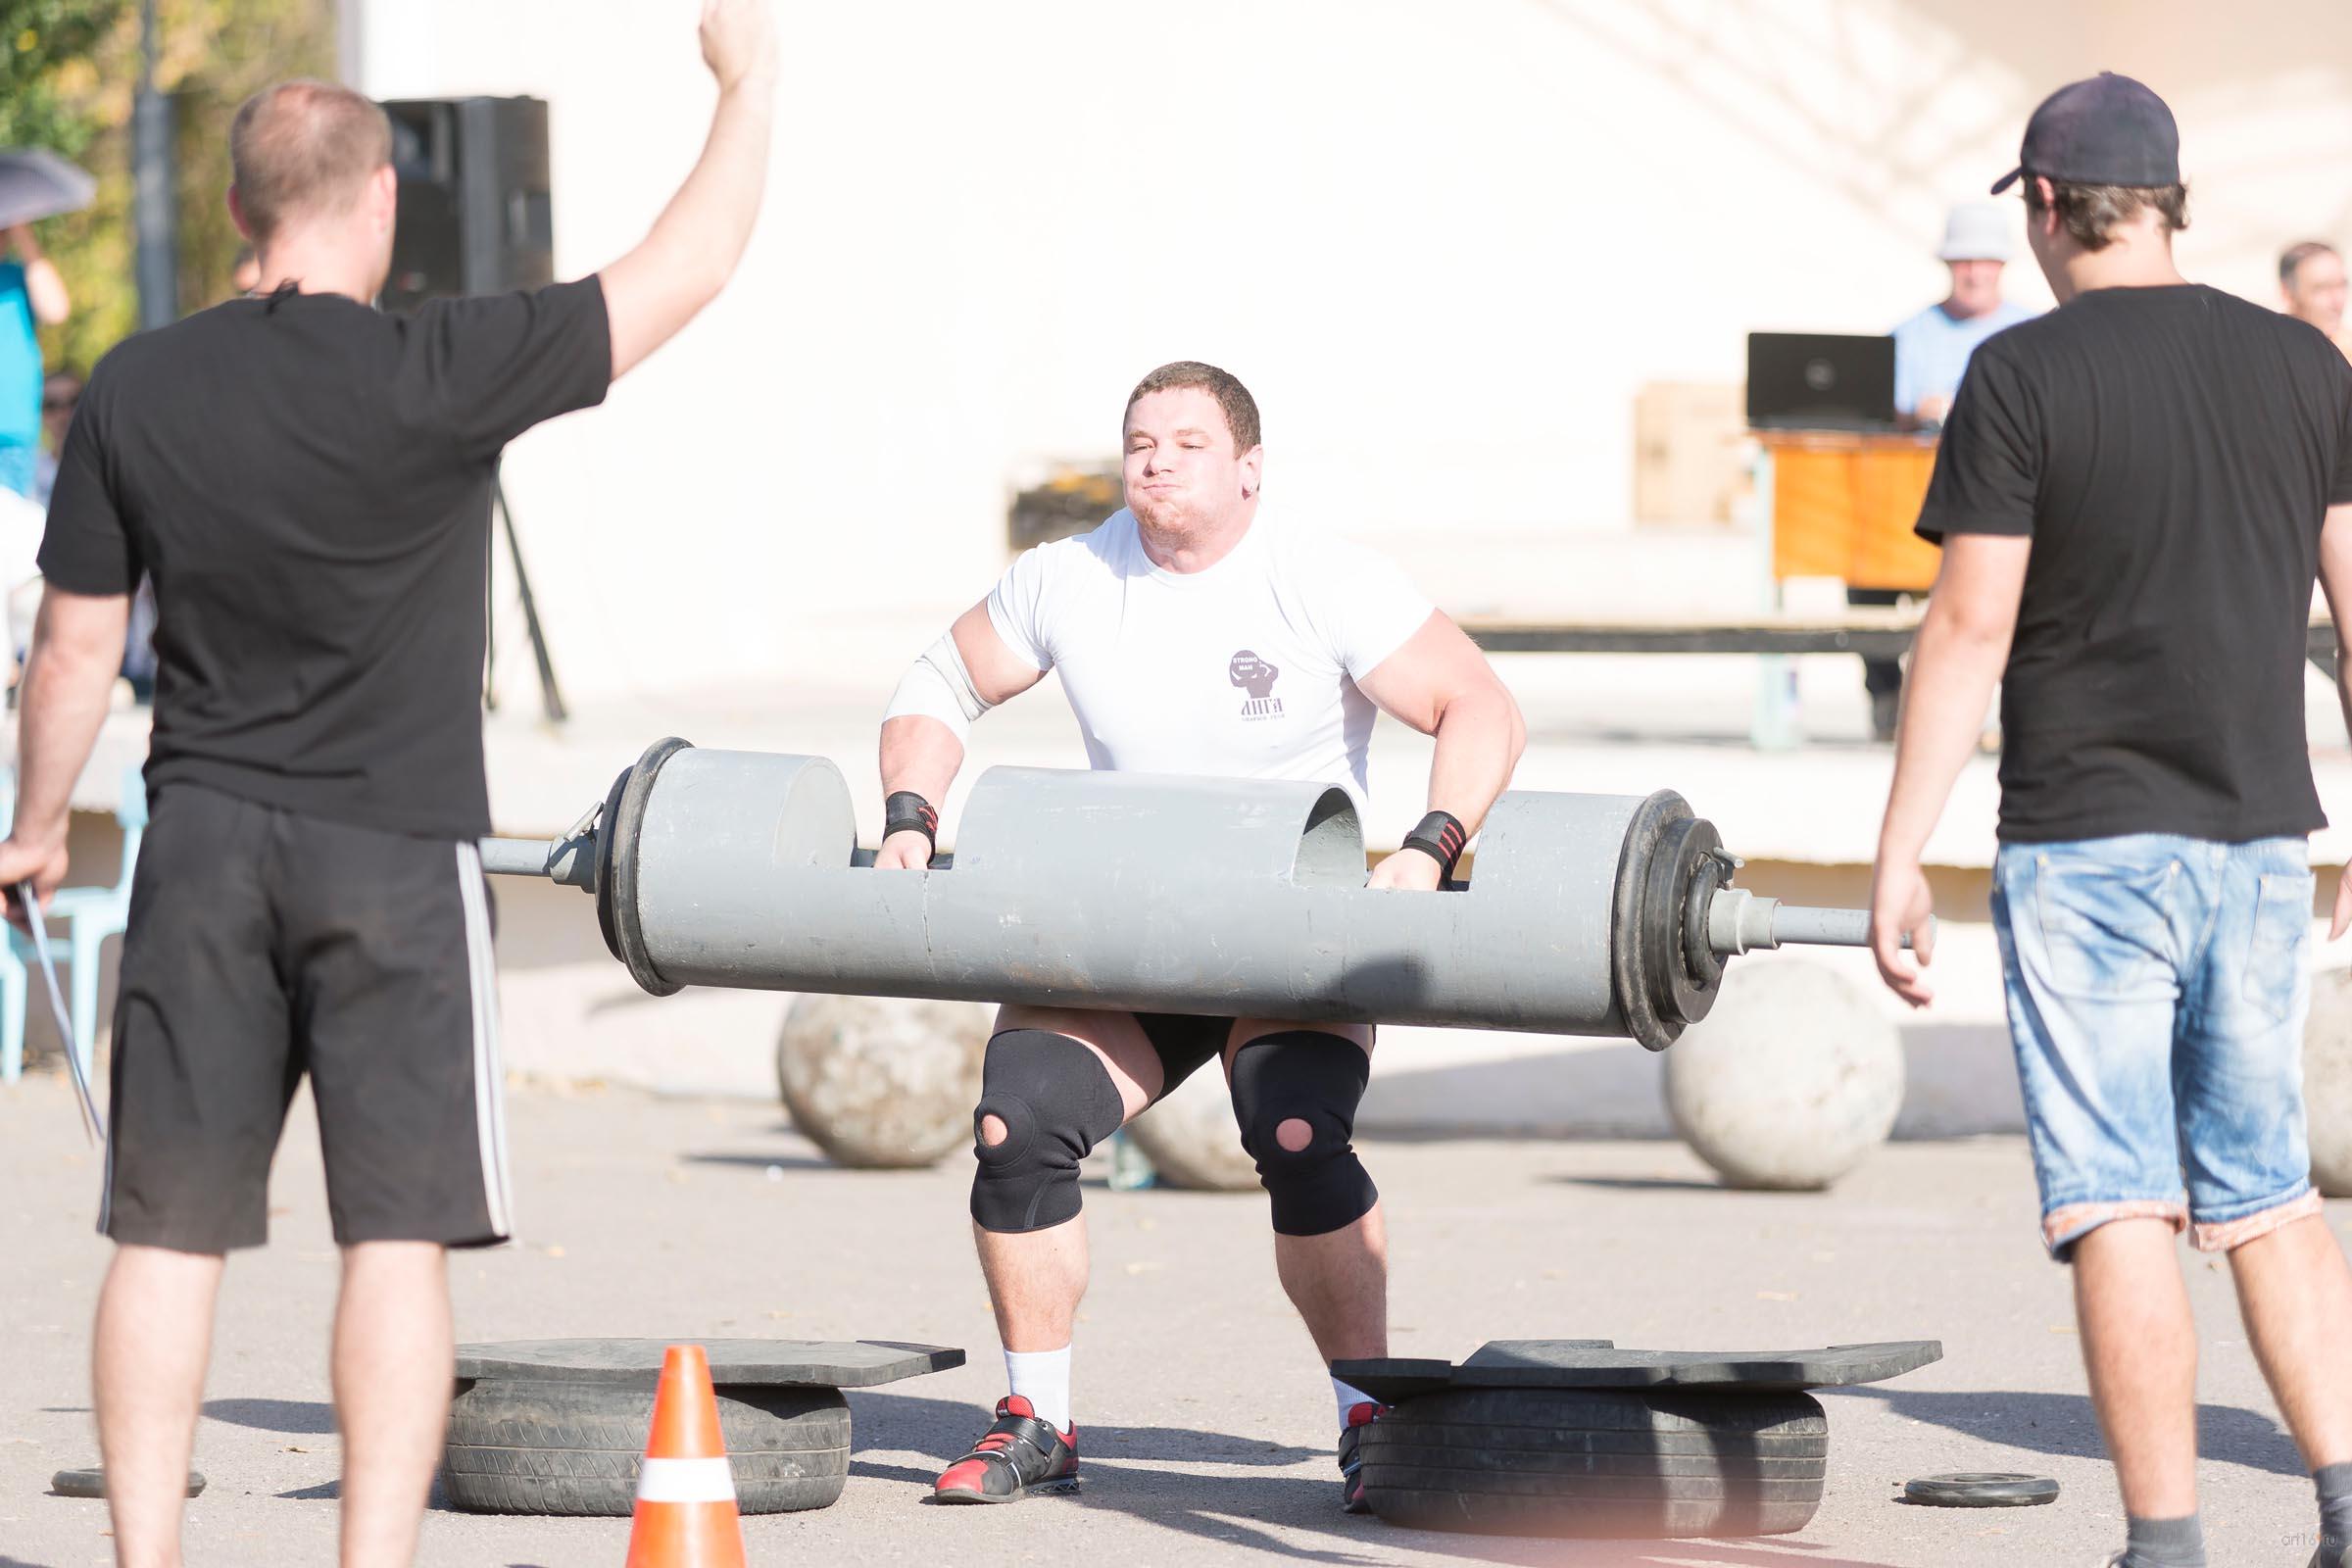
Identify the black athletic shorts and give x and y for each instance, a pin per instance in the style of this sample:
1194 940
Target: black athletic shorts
1184 1043
264 945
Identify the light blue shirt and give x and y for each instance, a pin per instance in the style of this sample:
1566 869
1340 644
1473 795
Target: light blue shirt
1932 350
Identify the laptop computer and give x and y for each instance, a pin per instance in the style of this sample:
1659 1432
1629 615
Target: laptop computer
1820 381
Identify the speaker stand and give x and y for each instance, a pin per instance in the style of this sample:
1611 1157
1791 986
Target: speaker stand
551 696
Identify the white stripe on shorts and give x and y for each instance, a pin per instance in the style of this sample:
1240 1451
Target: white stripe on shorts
489 1072
685 1480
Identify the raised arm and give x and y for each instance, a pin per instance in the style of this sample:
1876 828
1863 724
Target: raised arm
1442 685
965 673
76 651
44 288
694 246
2335 581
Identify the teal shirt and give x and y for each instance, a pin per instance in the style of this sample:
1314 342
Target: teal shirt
19 361
19 383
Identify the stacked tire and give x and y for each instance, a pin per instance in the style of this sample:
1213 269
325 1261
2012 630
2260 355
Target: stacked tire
1598 1463
537 1447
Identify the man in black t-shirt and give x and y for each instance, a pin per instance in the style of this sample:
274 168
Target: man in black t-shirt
2134 495
307 483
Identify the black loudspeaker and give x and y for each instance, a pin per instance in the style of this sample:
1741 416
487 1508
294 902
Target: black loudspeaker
475 215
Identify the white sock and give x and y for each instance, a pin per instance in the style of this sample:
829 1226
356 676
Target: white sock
1350 1397
1042 1378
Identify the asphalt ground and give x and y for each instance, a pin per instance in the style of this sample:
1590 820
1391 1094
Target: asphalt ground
1204 1419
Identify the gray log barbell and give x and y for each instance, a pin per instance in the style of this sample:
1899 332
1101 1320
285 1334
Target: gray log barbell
1587 914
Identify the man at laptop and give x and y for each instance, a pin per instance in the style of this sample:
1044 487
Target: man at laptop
1931 353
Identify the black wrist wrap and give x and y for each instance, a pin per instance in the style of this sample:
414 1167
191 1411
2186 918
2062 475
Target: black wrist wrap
1442 837
906 811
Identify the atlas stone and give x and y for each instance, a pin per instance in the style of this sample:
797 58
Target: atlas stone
883 1083
1191 1139
1790 1082
2328 1082
1586 914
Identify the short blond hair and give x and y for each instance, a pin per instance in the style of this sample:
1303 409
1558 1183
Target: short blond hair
305 149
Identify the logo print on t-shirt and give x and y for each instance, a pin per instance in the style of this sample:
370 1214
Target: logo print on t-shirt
1255 676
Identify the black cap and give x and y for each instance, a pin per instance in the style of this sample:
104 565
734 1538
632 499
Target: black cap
2104 130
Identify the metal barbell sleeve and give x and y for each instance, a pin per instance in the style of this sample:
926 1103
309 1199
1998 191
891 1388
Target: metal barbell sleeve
1738 921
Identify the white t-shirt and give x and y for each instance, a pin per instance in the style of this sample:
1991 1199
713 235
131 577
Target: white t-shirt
1245 671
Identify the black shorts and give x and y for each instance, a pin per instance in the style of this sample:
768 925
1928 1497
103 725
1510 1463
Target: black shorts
263 946
1184 1043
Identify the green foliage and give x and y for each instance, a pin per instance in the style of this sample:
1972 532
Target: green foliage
41 42
68 70
50 97
220 53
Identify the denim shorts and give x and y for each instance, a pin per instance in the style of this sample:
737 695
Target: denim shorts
2157 989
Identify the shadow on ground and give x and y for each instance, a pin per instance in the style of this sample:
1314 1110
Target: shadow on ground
2063 1425
1646 1183
303 1418
781 1162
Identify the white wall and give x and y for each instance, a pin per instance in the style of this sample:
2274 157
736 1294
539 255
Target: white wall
1444 243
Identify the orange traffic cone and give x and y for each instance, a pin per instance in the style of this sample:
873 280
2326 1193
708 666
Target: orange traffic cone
685 1515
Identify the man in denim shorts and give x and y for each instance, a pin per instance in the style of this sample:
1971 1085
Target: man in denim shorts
2133 496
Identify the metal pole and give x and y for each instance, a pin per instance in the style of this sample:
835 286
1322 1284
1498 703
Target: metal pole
550 699
570 861
154 213
1739 922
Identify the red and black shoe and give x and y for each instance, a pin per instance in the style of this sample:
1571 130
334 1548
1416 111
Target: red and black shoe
1020 1455
1351 1457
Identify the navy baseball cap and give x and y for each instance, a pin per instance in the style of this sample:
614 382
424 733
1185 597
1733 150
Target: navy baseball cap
2104 130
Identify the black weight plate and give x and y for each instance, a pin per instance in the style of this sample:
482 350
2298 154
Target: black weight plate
1631 982
1990 1489
1683 854
91 1483
1701 961
605 819
623 831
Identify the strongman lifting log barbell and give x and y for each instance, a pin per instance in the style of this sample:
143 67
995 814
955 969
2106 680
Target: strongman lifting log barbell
1583 914
1586 914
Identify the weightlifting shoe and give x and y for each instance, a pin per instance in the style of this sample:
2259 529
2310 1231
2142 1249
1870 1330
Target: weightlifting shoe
1351 1457
1017 1457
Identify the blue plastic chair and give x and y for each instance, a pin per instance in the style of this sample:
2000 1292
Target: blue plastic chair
91 913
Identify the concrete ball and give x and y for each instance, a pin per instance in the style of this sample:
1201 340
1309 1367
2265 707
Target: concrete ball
1193 1140
2328 1081
1790 1081
883 1082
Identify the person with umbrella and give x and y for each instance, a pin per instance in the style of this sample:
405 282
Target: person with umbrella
35 184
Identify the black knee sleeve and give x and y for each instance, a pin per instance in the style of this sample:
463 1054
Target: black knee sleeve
1056 1102
1306 1075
